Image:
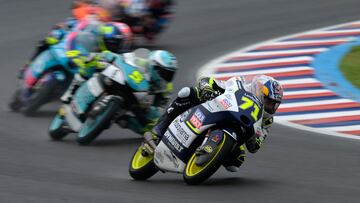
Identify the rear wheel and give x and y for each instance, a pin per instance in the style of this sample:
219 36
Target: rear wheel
94 125
142 165
195 174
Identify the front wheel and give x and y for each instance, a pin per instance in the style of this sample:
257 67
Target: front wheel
57 128
142 165
15 103
195 174
94 125
40 97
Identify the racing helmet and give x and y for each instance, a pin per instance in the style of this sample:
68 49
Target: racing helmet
271 90
114 37
163 66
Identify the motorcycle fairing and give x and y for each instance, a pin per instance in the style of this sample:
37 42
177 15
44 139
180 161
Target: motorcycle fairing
134 78
42 63
86 95
53 57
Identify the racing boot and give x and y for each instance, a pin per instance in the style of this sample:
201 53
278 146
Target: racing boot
236 158
75 84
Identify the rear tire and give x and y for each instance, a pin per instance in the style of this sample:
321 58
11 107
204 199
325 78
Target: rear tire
194 174
142 167
93 126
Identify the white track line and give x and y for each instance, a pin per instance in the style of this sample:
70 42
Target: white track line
314 103
263 71
320 115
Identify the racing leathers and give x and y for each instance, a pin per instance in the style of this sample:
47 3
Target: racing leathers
82 49
56 34
144 106
207 89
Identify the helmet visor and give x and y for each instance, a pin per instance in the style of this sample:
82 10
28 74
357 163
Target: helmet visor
114 45
165 74
271 105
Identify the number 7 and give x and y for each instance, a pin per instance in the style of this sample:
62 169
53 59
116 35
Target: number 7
250 103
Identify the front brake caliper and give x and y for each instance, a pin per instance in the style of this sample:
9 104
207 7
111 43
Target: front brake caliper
205 152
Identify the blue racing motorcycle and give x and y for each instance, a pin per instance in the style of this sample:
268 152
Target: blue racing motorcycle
45 79
102 100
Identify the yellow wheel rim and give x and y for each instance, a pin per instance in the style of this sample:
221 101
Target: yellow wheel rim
192 169
139 160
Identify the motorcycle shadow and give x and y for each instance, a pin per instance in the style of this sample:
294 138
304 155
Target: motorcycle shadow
117 142
237 181
43 114
214 182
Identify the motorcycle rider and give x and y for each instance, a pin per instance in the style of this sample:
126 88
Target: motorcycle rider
72 26
158 67
207 89
57 33
77 50
147 17
83 46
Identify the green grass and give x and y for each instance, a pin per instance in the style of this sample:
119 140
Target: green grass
350 66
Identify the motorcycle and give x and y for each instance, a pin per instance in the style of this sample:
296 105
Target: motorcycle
198 141
101 101
45 79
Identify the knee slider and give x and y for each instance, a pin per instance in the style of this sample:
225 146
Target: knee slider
184 92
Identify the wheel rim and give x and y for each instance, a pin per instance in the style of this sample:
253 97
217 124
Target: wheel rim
192 169
139 160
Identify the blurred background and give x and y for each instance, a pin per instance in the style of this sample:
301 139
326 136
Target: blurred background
293 165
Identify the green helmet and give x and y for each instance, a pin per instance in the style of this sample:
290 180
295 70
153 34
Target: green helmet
163 65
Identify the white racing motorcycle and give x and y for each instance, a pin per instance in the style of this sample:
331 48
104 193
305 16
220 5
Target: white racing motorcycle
199 140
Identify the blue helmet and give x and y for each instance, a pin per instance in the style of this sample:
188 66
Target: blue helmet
163 65
112 37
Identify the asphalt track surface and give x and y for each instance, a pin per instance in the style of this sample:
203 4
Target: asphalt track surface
293 166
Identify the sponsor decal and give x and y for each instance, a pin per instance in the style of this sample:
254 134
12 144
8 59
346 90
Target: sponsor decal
215 138
225 103
208 149
183 116
208 106
197 119
173 141
180 131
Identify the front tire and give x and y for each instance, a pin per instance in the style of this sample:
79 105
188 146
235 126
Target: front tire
40 97
142 167
93 126
194 174
15 103
57 130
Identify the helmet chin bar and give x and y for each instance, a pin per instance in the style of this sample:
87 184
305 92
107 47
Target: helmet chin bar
164 73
